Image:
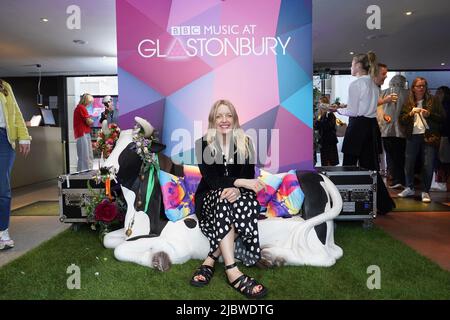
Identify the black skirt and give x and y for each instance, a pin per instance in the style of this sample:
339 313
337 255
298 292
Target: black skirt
219 215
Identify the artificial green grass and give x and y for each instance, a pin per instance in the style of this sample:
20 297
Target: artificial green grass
41 273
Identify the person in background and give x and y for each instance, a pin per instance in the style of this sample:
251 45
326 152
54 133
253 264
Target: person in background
109 114
325 124
362 141
12 128
382 74
443 164
379 81
82 132
358 146
422 116
392 132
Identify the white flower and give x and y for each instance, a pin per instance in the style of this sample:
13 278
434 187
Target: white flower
145 150
138 151
138 144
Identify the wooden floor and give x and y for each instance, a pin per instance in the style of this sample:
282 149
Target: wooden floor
426 232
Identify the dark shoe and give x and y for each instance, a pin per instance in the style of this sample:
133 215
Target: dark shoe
204 270
245 285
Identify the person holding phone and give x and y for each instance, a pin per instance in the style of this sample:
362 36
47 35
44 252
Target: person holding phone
422 116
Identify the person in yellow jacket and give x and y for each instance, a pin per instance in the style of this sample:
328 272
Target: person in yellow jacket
12 128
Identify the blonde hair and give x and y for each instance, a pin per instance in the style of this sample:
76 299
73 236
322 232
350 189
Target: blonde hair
368 62
239 138
324 99
86 99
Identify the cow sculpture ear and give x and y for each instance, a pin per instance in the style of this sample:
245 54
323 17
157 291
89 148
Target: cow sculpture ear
157 147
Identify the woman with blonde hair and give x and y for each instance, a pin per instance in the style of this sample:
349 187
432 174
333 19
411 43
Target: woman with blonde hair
361 108
362 141
225 200
82 132
12 130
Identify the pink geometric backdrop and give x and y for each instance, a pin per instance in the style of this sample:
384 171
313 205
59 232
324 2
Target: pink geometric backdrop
270 91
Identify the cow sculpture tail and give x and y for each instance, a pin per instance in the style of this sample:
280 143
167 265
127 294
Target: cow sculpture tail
304 241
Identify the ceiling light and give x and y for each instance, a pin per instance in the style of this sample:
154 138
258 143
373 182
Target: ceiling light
78 41
443 64
408 13
44 20
377 36
352 53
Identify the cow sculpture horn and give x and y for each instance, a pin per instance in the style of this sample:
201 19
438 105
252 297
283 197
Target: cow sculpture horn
146 126
105 128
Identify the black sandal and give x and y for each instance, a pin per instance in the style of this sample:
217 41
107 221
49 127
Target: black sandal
204 270
246 285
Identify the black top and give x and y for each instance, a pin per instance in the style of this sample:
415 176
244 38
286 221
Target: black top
109 116
217 173
327 129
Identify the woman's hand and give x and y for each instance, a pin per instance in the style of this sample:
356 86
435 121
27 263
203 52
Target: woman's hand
24 148
231 194
425 113
252 184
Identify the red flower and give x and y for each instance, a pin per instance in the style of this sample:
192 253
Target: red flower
106 211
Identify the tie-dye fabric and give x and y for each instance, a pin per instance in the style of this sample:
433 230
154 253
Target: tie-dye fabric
178 192
283 197
272 182
288 199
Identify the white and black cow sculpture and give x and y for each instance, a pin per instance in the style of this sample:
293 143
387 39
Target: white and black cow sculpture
156 242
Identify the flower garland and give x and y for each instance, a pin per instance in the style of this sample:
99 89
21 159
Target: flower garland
142 147
106 142
105 173
104 210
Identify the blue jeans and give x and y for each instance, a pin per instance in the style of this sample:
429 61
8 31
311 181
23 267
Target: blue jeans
414 146
7 155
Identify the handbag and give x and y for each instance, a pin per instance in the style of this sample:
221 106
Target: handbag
432 138
341 127
444 150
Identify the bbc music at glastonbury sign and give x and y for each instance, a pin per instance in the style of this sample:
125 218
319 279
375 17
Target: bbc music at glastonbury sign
177 57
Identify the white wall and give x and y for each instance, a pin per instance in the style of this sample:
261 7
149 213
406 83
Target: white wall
76 87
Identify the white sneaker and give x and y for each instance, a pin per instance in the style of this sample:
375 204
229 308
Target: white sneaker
396 186
5 240
426 197
406 193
